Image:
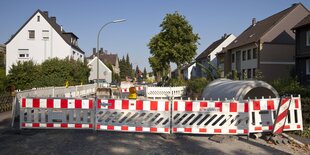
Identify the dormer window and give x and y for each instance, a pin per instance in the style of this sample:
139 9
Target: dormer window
38 18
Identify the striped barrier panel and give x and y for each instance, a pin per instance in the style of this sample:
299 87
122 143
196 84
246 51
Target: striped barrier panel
262 114
50 113
133 115
210 117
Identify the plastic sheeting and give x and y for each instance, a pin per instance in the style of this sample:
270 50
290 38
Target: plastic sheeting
223 89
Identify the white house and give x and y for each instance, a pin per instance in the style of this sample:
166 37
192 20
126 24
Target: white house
105 74
209 54
39 39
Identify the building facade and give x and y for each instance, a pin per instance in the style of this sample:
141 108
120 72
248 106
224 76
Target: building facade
39 39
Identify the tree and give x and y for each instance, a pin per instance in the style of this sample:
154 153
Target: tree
144 74
175 43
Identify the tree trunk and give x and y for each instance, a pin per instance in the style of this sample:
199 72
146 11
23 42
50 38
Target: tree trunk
179 72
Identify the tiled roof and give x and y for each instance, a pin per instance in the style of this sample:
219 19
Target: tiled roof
254 32
111 58
213 46
65 35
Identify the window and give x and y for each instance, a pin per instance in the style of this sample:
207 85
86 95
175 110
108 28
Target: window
254 71
31 34
308 66
254 53
233 58
23 53
249 54
249 73
45 34
243 73
243 55
308 38
38 18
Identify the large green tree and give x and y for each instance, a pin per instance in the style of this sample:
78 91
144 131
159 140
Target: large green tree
176 42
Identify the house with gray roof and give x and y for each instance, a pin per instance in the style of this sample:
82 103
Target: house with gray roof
41 38
302 58
107 58
267 46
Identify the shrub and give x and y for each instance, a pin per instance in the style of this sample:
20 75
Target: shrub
195 87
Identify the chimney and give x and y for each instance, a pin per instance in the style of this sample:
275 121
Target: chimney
253 21
46 13
225 36
53 19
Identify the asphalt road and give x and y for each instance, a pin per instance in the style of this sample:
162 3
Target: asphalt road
58 142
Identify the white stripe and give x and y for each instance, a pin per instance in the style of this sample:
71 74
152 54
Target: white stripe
180 129
146 105
181 105
118 128
195 130
279 125
146 129
103 127
28 125
56 103
263 104
29 103
42 125
132 105
43 103
118 104
161 105
196 106
225 107
211 104
85 125
130 128
85 104
240 107
284 106
71 125
71 104
105 102
56 125
161 130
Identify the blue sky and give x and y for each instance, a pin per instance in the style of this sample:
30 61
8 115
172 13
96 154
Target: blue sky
210 19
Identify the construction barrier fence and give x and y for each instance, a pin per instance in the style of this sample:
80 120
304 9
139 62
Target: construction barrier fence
159 116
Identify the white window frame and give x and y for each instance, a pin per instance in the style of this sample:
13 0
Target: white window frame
24 52
45 34
308 38
308 66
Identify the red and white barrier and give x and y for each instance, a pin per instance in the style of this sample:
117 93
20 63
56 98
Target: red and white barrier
56 103
147 105
281 115
210 117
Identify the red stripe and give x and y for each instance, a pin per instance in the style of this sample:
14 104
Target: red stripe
256 105
78 104
188 106
219 105
50 103
49 125
166 106
166 129
187 129
245 131
270 127
90 104
99 104
23 124
296 103
202 130
98 127
63 103
279 130
298 126
174 129
125 104
246 107
138 128
23 102
110 127
287 127
258 128
35 125
217 130
139 105
78 125
203 104
232 131
112 104
124 128
175 106
284 100
64 125
233 107
270 105
153 129
36 103
153 105
90 125
282 116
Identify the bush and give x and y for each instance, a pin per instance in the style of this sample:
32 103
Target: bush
175 82
195 87
288 86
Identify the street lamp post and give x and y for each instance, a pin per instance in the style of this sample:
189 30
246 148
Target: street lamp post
115 21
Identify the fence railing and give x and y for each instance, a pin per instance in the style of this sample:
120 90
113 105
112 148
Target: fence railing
165 92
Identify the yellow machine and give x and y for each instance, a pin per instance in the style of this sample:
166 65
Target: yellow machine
132 93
